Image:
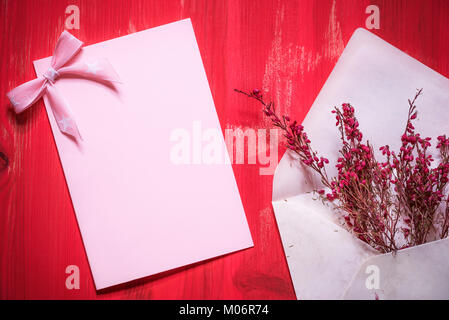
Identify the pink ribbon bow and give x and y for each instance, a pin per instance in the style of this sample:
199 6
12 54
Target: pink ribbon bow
28 93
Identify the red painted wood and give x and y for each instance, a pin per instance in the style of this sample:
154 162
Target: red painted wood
286 47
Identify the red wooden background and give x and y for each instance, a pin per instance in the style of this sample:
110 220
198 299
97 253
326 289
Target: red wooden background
286 47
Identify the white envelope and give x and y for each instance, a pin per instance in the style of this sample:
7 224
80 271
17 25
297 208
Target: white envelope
325 260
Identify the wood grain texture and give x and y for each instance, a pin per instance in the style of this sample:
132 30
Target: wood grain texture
285 47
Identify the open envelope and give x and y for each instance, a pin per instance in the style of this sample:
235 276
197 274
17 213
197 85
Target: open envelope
139 212
325 260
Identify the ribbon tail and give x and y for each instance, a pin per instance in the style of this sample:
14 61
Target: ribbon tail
26 94
98 70
62 114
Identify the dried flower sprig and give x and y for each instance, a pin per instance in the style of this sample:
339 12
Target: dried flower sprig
297 139
390 205
419 187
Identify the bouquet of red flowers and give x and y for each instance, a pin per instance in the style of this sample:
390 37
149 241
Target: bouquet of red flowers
391 204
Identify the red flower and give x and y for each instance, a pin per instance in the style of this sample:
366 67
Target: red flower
374 195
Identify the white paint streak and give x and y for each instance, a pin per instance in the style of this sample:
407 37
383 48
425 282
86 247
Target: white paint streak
333 36
289 63
131 27
266 223
286 64
182 3
281 68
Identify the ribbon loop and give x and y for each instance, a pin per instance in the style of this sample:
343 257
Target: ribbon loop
25 95
66 48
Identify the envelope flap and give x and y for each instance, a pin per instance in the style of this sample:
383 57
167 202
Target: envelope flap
419 272
321 255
